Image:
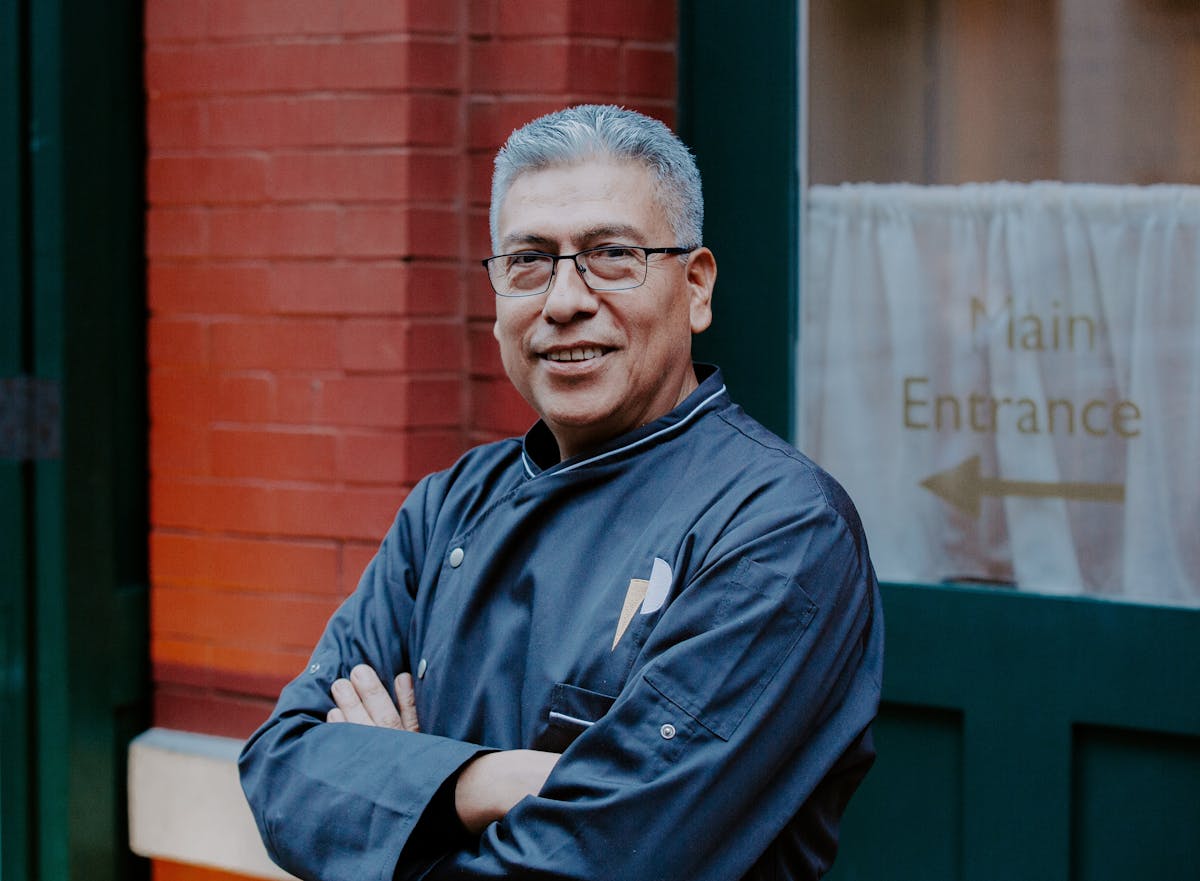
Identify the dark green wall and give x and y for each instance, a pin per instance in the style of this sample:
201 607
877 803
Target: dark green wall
73 129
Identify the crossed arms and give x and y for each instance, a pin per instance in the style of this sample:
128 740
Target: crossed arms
486 788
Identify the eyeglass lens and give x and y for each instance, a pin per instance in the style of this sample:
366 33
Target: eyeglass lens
605 269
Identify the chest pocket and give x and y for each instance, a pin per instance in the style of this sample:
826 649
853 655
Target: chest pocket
572 711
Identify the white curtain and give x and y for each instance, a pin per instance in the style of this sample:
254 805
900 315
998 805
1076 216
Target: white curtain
1006 377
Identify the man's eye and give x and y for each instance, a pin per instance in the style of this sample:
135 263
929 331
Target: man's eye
614 253
526 259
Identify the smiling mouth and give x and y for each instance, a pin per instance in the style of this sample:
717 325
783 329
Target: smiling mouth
579 353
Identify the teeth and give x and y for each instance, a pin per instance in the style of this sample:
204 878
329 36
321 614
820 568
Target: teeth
583 353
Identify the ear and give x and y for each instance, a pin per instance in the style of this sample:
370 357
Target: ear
701 275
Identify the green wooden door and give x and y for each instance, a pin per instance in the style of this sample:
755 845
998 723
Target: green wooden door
1021 736
73 629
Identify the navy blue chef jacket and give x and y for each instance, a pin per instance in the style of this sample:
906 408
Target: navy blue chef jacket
688 614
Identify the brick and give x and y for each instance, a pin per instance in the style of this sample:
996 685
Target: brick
208 288
480 166
175 123
430 451
434 403
362 176
648 72
250 620
355 557
624 19
482 18
205 179
394 231
276 565
296 343
532 17
435 119
344 288
222 714
483 351
520 66
479 244
180 397
593 69
491 122
434 232
374 345
237 18
301 455
393 345
433 65
366 402
379 458
269 122
253 509
374 232
238 68
435 346
180 450
433 288
376 119
273 232
179 342
497 407
177 232
174 20
399 16
392 459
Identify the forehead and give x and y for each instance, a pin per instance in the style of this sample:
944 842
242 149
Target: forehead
570 203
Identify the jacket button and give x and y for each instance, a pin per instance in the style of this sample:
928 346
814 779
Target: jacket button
667 731
456 558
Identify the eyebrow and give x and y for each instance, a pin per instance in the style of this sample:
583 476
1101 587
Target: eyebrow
585 238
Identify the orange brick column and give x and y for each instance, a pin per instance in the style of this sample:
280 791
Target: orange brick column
320 329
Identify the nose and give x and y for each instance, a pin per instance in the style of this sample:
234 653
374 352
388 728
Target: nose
568 297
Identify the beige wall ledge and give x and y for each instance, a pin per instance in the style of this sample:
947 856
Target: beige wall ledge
186 804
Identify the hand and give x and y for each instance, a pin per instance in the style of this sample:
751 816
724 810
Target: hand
363 700
489 785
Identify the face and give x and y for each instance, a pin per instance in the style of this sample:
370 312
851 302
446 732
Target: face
597 364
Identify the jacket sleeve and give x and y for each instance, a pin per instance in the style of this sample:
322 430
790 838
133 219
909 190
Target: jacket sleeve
341 801
745 724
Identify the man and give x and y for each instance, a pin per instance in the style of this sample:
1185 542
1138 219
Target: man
643 642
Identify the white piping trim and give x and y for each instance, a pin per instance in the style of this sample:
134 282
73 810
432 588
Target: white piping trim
637 443
563 717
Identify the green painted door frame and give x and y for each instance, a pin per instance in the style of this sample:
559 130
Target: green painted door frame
14 730
1022 736
73 310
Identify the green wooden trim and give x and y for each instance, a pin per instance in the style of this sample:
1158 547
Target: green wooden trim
15 741
1025 685
739 112
89 511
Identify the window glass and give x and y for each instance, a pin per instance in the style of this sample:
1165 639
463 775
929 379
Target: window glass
1000 306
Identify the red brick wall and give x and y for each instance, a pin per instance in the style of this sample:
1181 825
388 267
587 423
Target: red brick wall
320 330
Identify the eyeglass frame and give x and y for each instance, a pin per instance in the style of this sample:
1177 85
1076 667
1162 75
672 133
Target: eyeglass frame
581 270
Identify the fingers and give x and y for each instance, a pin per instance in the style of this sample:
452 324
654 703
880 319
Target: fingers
363 700
335 715
406 699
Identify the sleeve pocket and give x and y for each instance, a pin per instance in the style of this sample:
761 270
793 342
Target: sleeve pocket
718 674
572 711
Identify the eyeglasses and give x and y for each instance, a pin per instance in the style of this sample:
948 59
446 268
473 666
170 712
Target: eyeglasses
610 268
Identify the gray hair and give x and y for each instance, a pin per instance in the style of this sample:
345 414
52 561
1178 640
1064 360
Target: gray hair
598 131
